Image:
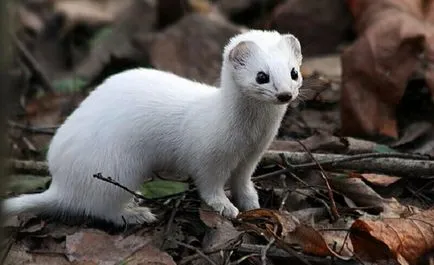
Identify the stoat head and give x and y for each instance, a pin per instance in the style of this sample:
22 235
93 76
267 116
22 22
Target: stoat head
265 65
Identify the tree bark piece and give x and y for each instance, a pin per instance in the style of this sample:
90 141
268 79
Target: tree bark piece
390 164
28 167
397 164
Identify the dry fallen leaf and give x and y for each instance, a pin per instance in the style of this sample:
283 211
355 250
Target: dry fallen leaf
222 232
94 13
286 231
117 46
95 246
404 240
380 180
393 34
364 196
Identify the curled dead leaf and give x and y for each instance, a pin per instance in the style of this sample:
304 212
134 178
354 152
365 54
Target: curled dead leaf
364 196
380 180
287 231
378 65
403 240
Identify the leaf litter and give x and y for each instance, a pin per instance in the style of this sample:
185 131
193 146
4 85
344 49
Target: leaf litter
295 223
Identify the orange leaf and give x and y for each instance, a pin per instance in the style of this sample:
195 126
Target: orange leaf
379 64
402 239
286 230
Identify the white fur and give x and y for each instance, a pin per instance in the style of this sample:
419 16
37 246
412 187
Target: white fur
145 120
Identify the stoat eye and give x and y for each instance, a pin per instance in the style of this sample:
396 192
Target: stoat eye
262 78
294 74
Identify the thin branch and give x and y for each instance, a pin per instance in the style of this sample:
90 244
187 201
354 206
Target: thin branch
324 175
265 250
242 259
280 253
171 218
35 130
111 181
33 64
200 253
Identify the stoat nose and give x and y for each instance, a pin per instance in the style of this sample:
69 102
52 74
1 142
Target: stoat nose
284 97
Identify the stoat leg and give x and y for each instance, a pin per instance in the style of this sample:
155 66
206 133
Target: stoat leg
243 190
211 190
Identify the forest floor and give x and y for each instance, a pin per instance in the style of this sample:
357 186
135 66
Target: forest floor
348 180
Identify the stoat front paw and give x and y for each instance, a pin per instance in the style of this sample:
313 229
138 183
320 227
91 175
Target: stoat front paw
137 215
224 207
247 199
250 203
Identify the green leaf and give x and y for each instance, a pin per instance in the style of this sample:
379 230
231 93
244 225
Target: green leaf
100 36
19 184
380 148
161 188
74 84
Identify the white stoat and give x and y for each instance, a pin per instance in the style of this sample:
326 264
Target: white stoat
141 121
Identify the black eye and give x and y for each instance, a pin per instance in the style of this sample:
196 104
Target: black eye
294 74
262 78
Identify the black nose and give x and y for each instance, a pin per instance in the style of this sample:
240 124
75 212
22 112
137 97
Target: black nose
284 97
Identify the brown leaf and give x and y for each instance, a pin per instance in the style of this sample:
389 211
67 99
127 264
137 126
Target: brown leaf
17 256
30 20
377 67
402 239
380 180
173 49
222 232
150 255
138 18
95 246
334 21
90 12
364 196
286 230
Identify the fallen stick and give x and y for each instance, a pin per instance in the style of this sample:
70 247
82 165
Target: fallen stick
325 143
27 167
33 65
398 164
31 129
280 253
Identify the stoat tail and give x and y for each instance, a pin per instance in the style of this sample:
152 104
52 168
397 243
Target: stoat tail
30 203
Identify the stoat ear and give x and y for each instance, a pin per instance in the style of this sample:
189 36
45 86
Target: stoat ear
239 55
294 44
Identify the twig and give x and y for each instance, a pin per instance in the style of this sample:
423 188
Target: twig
8 248
172 217
285 194
280 253
242 259
203 255
324 175
111 181
36 130
265 250
34 65
189 259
